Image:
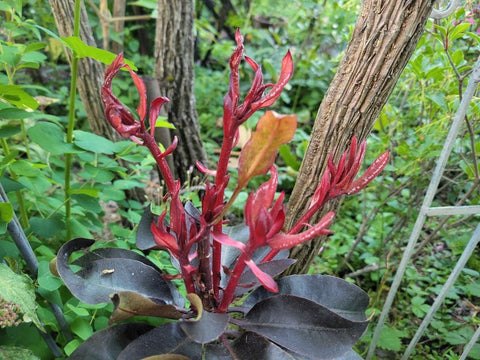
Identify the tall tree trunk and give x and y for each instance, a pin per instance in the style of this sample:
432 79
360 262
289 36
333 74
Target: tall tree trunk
90 72
174 44
118 25
385 36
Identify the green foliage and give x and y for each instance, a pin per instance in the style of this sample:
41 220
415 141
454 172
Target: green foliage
391 339
19 290
16 353
33 90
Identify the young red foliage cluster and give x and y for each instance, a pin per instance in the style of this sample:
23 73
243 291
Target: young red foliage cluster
197 238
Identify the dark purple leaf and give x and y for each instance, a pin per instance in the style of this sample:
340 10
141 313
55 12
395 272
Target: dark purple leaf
206 329
165 339
351 355
250 343
192 211
214 351
97 280
303 326
107 344
338 295
144 238
109 253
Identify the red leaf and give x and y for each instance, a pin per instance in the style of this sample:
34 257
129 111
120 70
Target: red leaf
227 240
285 75
155 110
286 241
259 153
265 279
372 171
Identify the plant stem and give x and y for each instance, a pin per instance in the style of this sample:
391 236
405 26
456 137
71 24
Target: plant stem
151 144
233 282
71 121
21 205
220 178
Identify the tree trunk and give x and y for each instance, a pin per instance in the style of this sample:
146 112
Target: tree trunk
174 44
119 25
385 36
90 72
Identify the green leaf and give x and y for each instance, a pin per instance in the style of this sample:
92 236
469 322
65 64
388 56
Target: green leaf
14 113
24 168
46 228
7 131
78 229
259 153
6 212
390 339
16 96
288 157
82 328
94 143
92 192
19 289
162 122
72 346
458 31
473 289
16 353
11 185
97 173
50 137
128 184
34 46
83 50
460 336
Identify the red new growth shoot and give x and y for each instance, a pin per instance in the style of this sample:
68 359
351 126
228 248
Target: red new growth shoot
194 238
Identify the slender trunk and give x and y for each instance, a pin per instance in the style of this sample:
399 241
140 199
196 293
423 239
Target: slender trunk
385 36
118 26
174 44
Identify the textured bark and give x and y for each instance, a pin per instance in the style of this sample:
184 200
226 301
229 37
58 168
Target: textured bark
118 26
385 36
174 43
90 72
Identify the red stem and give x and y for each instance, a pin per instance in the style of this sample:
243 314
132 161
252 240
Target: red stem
227 297
220 178
151 144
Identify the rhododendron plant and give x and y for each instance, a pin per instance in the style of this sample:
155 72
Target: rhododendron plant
219 263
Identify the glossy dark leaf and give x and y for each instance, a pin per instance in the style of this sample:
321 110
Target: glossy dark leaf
108 343
96 281
206 329
167 357
112 253
351 355
248 281
128 304
250 343
303 326
165 339
144 238
216 351
338 295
